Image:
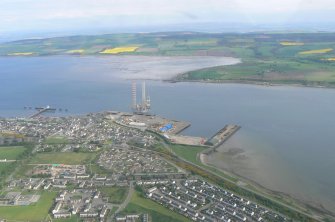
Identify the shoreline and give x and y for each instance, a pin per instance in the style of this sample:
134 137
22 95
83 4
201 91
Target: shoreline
277 195
248 82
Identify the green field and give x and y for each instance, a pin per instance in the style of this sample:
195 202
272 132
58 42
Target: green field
115 194
189 153
56 140
62 158
36 212
157 212
11 152
5 169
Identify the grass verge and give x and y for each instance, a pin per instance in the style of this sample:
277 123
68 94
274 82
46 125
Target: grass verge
115 194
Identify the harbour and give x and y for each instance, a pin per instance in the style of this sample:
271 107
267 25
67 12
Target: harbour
172 129
270 150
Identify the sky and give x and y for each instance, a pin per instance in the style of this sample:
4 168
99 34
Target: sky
43 16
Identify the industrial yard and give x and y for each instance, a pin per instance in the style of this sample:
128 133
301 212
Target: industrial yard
154 123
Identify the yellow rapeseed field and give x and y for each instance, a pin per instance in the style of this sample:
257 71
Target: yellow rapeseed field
316 51
291 43
20 53
329 59
118 50
76 51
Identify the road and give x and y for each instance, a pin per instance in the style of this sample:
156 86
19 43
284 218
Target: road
127 200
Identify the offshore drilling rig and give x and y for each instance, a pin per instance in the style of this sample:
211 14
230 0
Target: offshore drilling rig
144 106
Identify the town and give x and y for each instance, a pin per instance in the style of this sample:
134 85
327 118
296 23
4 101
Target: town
94 166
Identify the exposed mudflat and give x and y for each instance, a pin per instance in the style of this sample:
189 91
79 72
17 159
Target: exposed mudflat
164 68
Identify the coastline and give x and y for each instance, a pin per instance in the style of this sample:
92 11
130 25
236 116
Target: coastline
243 181
248 82
301 203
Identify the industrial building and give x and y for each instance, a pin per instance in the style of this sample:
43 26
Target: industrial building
145 104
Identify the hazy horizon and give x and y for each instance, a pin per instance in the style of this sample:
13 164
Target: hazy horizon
49 18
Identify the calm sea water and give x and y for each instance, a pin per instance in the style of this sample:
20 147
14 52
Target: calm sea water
287 132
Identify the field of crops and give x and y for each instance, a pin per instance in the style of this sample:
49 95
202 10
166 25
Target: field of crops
76 51
316 51
291 43
329 59
20 53
119 50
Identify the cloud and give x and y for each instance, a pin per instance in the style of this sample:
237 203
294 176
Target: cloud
87 8
19 14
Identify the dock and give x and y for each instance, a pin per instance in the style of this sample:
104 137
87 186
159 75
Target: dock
220 137
171 129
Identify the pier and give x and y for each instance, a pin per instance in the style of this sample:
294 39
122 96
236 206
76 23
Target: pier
220 137
42 110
